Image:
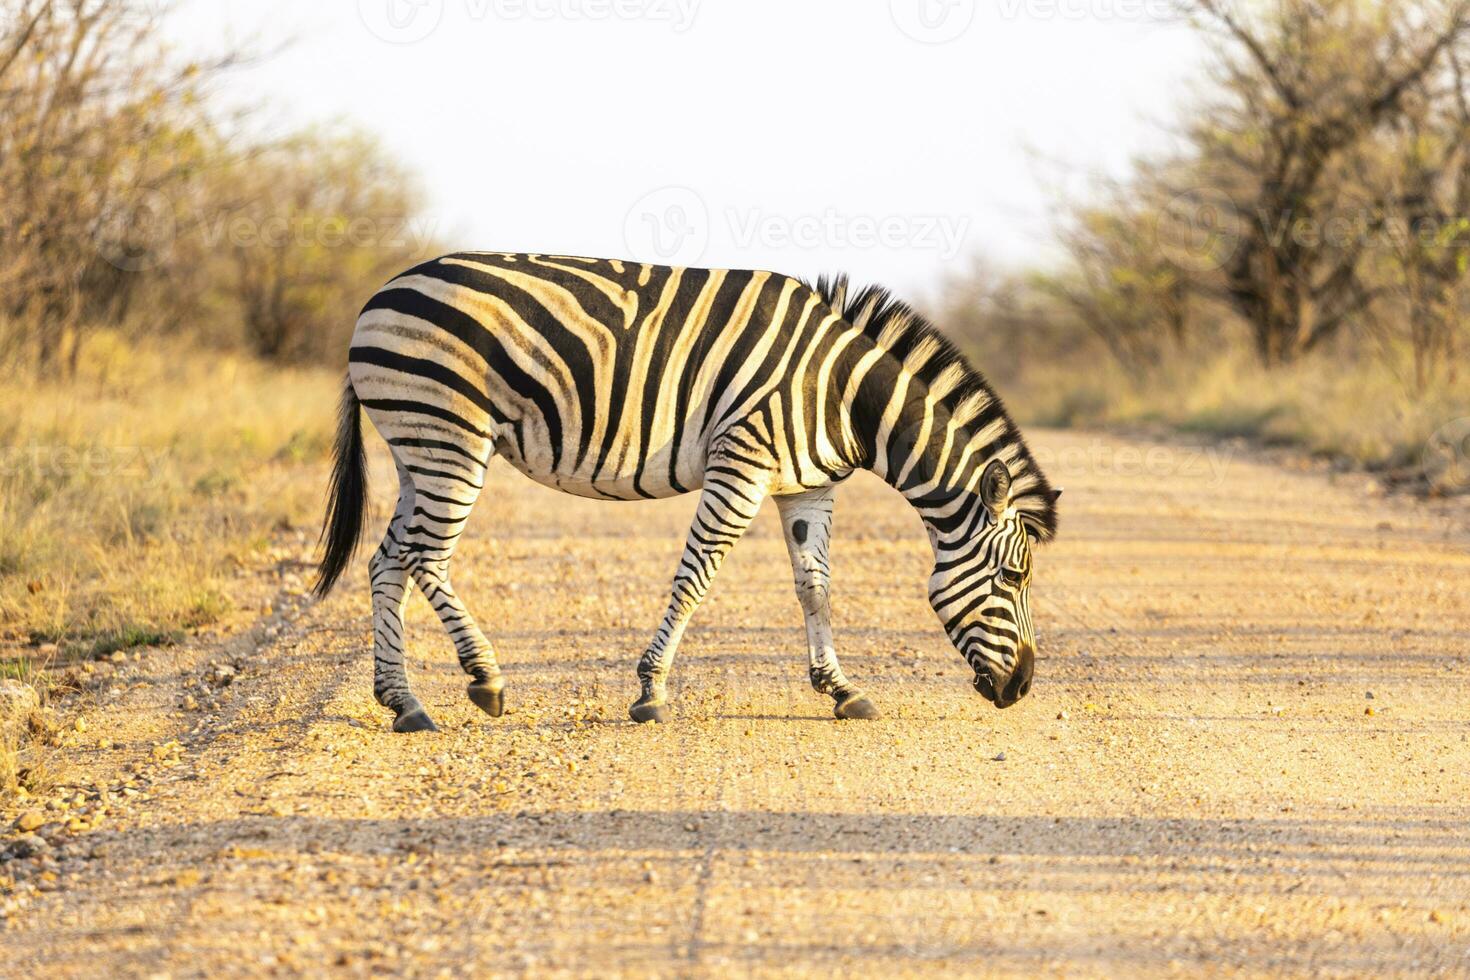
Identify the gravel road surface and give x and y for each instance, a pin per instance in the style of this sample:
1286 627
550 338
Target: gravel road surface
1245 753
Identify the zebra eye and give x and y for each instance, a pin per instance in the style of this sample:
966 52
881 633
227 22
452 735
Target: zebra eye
1012 577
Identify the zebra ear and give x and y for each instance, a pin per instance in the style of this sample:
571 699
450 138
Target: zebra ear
995 487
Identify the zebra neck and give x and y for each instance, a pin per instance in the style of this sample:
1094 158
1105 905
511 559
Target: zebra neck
907 436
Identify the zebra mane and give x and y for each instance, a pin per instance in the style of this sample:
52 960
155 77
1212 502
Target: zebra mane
934 359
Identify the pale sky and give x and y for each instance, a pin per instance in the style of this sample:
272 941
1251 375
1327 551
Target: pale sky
892 139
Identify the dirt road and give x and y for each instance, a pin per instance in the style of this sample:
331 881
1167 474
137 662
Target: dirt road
1199 780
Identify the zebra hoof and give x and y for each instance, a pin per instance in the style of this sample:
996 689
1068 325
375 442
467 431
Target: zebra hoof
417 720
489 696
856 706
646 711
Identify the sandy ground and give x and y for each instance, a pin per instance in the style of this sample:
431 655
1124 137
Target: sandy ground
1199 781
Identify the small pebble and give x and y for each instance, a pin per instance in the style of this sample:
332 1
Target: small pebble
1000 757
31 845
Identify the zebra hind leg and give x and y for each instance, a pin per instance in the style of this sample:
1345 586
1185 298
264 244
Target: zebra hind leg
487 685
447 488
388 573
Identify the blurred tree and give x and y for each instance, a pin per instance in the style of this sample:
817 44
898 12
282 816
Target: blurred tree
1424 160
99 132
119 182
1304 83
1120 283
322 220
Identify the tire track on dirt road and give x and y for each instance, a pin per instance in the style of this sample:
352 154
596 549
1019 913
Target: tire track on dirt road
1199 780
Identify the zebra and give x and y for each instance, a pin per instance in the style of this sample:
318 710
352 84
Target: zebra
621 380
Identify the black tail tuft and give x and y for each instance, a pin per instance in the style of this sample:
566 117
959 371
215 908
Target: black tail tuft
346 496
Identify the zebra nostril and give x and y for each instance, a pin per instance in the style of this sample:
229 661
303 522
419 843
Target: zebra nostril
1020 679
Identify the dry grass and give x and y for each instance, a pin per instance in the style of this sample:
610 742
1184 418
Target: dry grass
28 744
1355 412
127 495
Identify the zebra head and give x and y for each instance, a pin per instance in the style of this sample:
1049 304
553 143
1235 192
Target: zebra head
981 586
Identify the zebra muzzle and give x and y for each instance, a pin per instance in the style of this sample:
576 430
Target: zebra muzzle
1016 686
985 686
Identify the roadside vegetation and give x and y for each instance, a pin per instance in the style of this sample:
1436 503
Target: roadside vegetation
134 486
1294 272
175 294
176 290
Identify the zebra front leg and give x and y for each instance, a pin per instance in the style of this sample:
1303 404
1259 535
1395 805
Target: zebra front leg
806 519
726 507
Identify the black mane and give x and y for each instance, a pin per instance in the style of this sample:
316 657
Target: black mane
936 361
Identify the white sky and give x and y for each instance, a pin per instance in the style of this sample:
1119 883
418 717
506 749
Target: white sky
798 135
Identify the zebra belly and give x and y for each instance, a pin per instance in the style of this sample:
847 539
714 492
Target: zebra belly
627 482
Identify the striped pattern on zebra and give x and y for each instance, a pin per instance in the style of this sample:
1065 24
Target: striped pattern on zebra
622 381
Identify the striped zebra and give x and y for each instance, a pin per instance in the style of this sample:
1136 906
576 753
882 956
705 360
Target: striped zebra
623 381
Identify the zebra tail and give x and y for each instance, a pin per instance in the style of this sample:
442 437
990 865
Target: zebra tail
346 495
